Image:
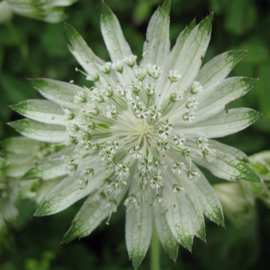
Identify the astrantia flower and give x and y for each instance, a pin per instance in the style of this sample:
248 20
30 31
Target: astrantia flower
19 154
139 133
46 10
242 208
8 211
238 201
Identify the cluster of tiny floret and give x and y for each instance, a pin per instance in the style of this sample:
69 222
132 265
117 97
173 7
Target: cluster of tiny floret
120 123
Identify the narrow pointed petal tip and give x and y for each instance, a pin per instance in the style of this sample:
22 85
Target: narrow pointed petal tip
70 235
30 175
166 7
207 22
40 212
106 11
67 28
187 241
238 55
38 82
253 115
202 234
173 253
136 262
218 218
70 32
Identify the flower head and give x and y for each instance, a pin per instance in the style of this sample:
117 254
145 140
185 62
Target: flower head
8 211
139 133
18 155
242 209
46 10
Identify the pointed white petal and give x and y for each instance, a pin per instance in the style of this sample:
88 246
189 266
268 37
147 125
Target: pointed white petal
47 170
83 54
218 97
138 231
228 149
40 131
87 219
229 163
20 145
208 199
218 68
91 214
41 110
157 44
165 235
113 36
188 61
171 59
184 214
220 125
18 169
59 92
59 3
67 192
16 158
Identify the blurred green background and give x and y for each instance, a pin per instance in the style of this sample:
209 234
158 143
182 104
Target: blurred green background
31 48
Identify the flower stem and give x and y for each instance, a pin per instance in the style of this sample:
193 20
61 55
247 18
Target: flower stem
155 250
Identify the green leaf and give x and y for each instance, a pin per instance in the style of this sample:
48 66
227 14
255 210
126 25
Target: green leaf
40 131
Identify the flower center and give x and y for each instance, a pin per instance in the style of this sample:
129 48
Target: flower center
133 131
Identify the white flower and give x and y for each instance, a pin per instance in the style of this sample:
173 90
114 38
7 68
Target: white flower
150 132
46 10
19 154
242 209
8 191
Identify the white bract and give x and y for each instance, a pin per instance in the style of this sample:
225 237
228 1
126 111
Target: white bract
140 132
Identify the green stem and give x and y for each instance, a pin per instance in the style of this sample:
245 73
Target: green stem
155 250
